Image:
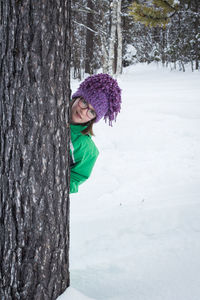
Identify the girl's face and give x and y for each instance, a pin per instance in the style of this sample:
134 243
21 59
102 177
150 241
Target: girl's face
82 112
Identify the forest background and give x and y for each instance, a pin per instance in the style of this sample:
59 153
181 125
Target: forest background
106 36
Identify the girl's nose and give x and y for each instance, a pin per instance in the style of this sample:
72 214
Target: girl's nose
84 111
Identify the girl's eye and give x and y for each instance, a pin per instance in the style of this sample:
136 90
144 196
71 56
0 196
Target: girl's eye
92 112
84 102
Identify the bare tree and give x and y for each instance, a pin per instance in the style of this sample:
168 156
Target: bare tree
119 39
89 40
115 39
100 28
112 39
34 202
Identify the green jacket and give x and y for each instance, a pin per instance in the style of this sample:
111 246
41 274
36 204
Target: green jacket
83 155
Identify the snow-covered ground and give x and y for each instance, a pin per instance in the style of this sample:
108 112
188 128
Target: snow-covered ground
135 225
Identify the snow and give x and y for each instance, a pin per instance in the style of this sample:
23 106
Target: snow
130 53
135 224
73 294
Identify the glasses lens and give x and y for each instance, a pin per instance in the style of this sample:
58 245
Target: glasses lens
91 113
83 103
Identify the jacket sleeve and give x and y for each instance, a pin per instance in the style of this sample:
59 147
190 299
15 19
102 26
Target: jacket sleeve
86 156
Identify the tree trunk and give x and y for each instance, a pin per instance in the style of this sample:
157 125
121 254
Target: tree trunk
104 38
197 44
115 41
89 41
119 39
111 62
34 202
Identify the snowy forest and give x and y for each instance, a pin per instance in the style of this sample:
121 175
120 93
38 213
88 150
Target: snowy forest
105 35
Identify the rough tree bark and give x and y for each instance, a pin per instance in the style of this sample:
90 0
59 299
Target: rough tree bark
34 202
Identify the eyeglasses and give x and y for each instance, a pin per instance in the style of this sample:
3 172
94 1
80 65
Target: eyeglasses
90 112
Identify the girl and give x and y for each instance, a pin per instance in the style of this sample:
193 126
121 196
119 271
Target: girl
97 96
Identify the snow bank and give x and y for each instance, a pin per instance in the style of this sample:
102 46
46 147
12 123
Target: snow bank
72 294
135 226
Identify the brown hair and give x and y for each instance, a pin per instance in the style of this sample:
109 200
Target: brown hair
89 129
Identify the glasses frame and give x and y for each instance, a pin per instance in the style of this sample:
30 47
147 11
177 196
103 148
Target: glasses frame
85 105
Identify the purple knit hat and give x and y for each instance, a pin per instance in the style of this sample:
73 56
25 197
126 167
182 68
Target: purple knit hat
103 93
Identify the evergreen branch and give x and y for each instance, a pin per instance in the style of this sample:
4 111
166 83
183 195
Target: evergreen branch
157 18
165 4
150 16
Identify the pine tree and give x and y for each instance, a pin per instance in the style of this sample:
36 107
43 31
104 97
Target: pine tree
154 13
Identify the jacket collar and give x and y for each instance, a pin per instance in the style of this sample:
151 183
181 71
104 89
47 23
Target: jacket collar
77 128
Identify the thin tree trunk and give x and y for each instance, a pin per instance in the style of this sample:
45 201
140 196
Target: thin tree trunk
104 55
112 41
196 46
34 202
89 41
119 39
104 41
